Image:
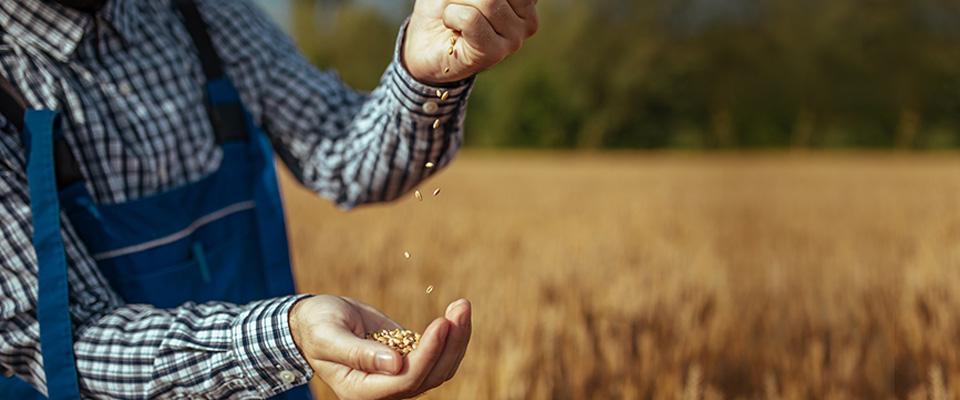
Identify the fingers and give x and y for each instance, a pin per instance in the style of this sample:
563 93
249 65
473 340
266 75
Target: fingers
419 364
428 352
459 314
531 19
474 27
523 7
501 16
464 316
344 347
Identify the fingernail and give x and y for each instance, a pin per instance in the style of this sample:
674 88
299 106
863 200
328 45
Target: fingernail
384 362
456 304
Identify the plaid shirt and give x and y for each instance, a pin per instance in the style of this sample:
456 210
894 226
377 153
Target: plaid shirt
129 84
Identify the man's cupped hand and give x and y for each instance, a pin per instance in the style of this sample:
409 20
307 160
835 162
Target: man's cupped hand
330 332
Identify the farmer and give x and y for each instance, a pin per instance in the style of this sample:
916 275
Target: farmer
143 250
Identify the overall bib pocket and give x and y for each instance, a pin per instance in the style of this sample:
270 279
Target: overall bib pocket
212 263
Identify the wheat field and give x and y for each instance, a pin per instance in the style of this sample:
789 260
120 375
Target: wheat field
667 276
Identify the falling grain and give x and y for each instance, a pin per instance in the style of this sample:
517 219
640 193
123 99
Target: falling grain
429 165
436 124
436 192
429 289
406 255
418 195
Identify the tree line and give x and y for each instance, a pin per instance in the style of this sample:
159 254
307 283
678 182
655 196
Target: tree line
695 74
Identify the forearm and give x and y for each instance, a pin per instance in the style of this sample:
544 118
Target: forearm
388 143
363 148
351 147
137 351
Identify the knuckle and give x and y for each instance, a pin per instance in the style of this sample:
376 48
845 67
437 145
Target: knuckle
489 5
355 357
474 18
533 27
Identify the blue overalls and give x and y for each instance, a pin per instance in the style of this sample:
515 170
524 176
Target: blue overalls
221 238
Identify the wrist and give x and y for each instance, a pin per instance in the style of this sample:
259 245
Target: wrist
263 347
420 69
294 319
415 72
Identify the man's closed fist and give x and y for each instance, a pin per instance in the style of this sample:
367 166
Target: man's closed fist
480 33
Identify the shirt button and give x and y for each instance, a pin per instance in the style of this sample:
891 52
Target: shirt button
287 377
125 89
430 107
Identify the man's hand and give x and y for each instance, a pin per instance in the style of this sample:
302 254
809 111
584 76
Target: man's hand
330 332
486 32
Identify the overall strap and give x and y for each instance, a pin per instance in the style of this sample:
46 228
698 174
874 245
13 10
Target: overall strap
223 102
50 165
53 305
232 122
13 107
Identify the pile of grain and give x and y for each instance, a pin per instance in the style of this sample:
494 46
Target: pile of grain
402 340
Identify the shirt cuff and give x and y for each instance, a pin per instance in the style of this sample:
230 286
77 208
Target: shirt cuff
421 99
265 350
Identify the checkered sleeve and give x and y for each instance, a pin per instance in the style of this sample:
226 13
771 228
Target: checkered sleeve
354 148
212 350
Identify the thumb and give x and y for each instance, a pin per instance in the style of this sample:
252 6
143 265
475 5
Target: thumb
365 355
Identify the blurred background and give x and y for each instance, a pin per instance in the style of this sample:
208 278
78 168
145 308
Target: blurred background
675 199
689 73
